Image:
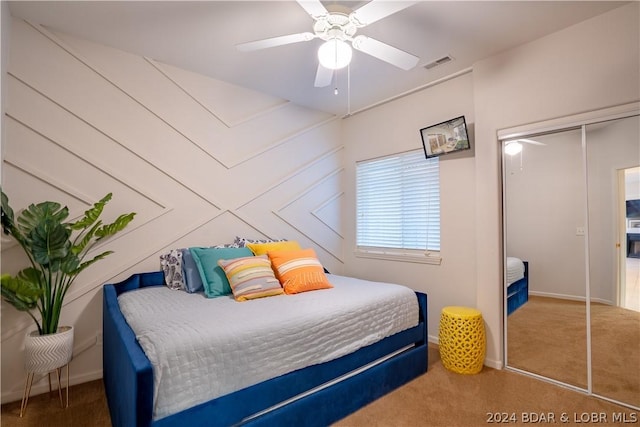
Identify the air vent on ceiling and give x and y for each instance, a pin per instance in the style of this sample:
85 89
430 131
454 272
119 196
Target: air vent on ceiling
438 61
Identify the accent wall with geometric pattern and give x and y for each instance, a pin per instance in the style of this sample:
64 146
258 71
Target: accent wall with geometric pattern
199 160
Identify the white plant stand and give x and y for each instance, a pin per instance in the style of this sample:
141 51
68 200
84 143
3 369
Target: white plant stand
45 354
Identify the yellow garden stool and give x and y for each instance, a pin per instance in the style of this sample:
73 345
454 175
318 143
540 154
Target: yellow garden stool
462 339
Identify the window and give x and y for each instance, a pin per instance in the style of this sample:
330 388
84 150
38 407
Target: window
398 207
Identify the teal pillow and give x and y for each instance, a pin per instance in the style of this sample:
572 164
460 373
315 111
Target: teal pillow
213 278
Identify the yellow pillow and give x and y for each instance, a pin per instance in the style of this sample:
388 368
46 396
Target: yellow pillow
299 271
263 248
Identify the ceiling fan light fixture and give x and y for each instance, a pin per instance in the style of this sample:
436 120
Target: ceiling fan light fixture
335 54
512 148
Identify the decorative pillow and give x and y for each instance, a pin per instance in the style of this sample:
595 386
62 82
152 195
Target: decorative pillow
263 248
241 242
214 280
171 264
251 277
190 272
226 245
299 271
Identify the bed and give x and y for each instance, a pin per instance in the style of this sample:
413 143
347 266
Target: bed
311 395
517 283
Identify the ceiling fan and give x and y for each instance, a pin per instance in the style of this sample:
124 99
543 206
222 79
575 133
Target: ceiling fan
338 28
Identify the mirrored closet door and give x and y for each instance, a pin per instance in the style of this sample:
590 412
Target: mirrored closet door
613 179
544 203
572 276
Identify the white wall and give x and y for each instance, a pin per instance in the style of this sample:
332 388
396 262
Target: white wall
632 184
5 31
394 128
199 160
588 66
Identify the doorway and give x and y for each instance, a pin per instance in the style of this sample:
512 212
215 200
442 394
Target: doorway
629 249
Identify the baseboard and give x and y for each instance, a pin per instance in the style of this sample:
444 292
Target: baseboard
602 301
495 364
491 363
42 385
557 296
569 297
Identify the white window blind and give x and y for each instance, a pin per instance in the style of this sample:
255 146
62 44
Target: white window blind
398 202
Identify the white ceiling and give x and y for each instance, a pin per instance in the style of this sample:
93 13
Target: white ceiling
201 36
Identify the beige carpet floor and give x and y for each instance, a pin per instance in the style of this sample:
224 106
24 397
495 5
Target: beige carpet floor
615 353
548 336
443 398
438 398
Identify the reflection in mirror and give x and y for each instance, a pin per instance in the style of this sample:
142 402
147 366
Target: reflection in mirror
544 208
613 181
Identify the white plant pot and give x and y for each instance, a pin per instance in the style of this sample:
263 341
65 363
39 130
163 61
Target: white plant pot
44 353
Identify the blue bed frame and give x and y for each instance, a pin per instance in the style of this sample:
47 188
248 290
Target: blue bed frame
128 377
518 291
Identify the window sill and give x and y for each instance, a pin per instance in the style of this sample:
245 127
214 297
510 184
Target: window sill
433 258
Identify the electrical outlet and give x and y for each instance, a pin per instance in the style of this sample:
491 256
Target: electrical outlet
579 231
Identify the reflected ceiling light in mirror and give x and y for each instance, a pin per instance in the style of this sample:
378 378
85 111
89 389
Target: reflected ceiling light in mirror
512 148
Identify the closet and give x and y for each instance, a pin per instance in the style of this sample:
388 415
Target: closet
571 290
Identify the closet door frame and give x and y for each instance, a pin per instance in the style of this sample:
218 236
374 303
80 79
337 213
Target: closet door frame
578 121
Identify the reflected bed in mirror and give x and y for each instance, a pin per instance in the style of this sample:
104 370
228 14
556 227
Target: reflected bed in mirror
517 283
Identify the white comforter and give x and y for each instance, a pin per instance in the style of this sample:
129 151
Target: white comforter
204 348
515 270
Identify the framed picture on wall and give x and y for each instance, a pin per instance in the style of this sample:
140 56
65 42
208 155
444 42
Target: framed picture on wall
446 137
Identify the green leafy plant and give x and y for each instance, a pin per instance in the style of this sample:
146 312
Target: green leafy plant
57 251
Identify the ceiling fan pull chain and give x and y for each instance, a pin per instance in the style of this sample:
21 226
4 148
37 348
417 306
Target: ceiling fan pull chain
349 90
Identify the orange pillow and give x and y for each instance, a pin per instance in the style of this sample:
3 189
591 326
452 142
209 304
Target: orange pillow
298 271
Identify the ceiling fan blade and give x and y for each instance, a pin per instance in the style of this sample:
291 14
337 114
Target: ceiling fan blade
385 52
313 8
323 76
275 41
376 10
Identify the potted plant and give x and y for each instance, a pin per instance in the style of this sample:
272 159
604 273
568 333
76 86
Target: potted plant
57 250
